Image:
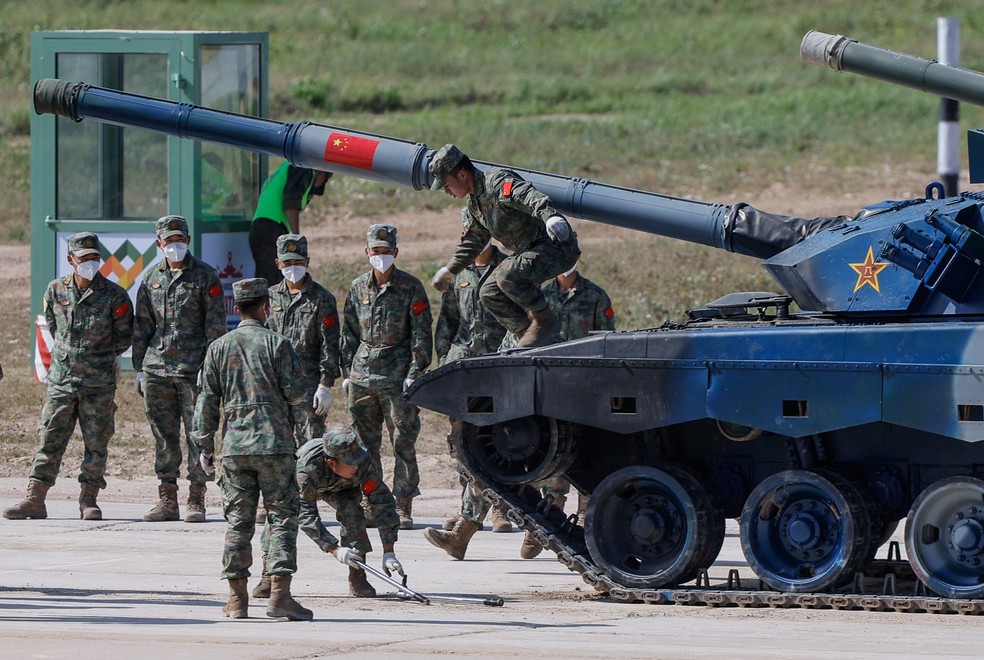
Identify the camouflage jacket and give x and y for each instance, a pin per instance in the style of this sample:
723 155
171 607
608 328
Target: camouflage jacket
89 329
317 481
310 321
584 308
507 208
178 316
465 328
386 336
250 375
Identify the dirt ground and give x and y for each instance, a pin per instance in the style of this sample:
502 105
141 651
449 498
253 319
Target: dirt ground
121 587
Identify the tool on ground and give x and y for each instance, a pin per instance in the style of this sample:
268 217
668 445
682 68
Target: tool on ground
405 592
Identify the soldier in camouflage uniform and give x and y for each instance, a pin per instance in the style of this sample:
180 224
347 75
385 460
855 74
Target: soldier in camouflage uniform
386 344
305 312
582 307
250 379
466 329
503 206
91 322
337 469
180 311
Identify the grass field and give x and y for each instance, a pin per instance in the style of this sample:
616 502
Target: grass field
701 98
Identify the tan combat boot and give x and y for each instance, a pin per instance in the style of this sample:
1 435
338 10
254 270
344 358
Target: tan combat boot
261 514
500 521
358 584
167 506
238 603
31 506
449 523
455 542
582 507
262 590
404 509
543 327
282 604
530 548
88 509
195 511
367 513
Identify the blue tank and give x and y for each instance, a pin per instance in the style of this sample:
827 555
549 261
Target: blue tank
819 415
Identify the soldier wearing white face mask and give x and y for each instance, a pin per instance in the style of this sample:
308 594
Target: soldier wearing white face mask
180 311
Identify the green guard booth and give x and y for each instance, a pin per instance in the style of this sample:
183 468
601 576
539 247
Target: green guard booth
117 181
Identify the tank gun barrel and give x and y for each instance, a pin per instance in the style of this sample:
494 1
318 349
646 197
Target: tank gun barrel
390 160
845 54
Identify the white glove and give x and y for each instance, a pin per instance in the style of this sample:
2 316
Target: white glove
345 386
347 555
207 461
392 565
138 382
442 279
322 400
407 382
557 229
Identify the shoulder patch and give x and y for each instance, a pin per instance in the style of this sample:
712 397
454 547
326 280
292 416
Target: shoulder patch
215 291
609 313
368 486
507 188
418 307
329 321
122 310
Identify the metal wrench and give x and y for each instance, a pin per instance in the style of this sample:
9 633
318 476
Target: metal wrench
409 594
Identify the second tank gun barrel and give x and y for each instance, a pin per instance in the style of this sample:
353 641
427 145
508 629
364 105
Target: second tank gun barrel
845 54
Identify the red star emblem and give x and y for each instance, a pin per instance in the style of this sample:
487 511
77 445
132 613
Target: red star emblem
868 271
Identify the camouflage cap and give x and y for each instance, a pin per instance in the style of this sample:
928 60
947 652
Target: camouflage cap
444 161
342 445
291 246
171 225
83 243
381 236
249 289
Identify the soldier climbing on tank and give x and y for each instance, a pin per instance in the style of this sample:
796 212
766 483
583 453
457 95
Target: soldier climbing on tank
504 206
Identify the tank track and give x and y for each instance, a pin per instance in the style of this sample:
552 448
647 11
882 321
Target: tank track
889 585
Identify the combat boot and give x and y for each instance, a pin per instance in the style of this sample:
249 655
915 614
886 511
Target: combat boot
167 506
367 513
238 603
88 509
454 542
261 514
195 511
529 548
358 584
582 507
543 328
262 590
500 521
404 509
31 506
448 523
282 604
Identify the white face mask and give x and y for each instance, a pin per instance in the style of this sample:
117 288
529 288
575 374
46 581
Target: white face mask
87 269
293 274
175 251
381 262
573 268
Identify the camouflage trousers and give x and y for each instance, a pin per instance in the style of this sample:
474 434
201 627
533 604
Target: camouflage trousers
370 408
513 289
244 480
474 506
351 520
307 423
169 402
554 486
95 411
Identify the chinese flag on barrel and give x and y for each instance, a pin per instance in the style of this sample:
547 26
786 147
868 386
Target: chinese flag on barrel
350 150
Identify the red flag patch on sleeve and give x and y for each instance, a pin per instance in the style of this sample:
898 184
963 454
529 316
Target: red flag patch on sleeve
329 321
121 310
507 189
215 291
418 307
351 150
369 486
609 313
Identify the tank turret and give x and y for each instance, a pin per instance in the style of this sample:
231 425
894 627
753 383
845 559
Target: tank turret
820 429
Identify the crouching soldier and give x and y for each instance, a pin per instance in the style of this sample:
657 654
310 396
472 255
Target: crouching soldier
337 470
